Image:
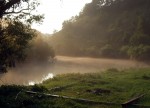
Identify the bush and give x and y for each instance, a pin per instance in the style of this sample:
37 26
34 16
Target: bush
140 52
109 51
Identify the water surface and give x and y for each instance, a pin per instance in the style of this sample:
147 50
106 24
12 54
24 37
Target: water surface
30 73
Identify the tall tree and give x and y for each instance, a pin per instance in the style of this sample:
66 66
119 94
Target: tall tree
16 17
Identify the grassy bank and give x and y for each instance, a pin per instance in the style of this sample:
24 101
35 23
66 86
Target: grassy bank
111 86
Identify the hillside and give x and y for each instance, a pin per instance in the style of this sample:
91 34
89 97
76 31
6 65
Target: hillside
118 29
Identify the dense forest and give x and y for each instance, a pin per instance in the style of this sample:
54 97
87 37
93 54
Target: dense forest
107 28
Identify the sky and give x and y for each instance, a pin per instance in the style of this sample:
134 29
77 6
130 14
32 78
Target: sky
56 11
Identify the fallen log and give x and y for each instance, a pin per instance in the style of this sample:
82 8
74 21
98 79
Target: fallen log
72 98
131 101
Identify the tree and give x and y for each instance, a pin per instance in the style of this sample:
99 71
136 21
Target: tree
107 28
16 17
40 51
16 6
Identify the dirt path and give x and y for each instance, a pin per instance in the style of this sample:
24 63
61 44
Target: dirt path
35 73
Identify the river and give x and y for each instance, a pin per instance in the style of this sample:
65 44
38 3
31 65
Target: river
36 73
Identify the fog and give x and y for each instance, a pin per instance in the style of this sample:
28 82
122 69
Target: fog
30 73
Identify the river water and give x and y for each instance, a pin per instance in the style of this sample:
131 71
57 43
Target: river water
29 74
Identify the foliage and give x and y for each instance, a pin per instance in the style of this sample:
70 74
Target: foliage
140 52
20 7
39 50
104 28
108 51
16 17
13 42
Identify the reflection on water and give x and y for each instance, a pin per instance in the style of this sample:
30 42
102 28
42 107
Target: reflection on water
25 74
32 73
50 75
31 83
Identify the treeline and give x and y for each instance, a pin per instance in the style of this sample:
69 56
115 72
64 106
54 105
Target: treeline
107 28
39 49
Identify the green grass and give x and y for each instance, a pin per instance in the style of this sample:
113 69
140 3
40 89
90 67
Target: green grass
121 86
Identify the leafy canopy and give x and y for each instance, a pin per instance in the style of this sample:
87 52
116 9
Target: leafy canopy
16 17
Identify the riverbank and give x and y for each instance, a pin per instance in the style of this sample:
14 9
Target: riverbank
112 86
35 73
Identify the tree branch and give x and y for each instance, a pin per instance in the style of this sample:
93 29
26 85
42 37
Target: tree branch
10 4
21 11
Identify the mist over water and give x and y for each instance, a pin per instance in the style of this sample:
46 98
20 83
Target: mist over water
30 73
26 73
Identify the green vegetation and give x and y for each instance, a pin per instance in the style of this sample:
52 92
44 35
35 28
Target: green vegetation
114 86
107 28
18 41
16 17
39 50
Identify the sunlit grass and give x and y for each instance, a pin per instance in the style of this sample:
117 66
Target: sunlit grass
123 85
118 86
